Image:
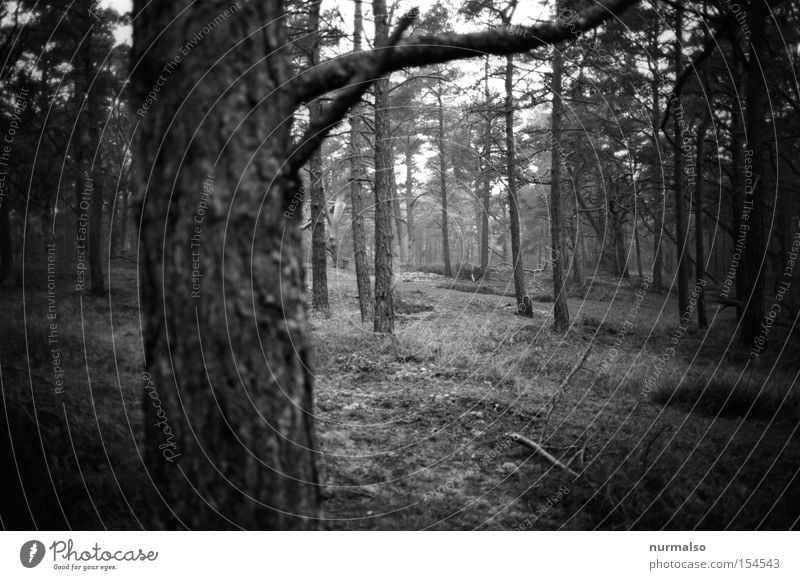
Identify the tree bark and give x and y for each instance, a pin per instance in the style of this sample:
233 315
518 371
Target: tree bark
699 250
577 246
448 268
737 188
638 249
619 241
680 224
755 190
94 182
400 227
96 220
409 185
560 306
486 197
122 226
658 225
365 300
384 291
229 443
511 176
228 399
319 239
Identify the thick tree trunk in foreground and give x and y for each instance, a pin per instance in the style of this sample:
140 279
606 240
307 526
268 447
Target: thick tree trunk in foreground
511 176
227 399
384 291
365 300
229 443
560 307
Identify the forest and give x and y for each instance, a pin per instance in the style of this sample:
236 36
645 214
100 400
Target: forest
397 265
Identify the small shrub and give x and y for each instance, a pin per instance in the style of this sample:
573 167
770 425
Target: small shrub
726 394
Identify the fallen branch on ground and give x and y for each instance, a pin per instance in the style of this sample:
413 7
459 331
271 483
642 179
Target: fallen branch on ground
522 440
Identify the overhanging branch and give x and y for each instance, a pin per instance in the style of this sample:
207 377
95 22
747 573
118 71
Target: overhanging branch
343 71
318 130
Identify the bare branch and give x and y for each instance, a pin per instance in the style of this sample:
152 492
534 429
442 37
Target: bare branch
340 72
319 129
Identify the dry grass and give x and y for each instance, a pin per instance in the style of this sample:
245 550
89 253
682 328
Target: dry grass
458 377
413 427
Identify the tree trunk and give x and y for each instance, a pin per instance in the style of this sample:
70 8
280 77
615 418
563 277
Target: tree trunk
620 244
365 301
319 239
577 246
400 229
737 188
96 220
229 443
486 197
638 249
511 175
680 224
505 241
448 269
412 242
319 210
122 222
755 189
81 204
699 250
93 185
384 291
560 307
658 202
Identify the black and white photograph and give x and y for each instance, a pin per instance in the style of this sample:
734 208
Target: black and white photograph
395 265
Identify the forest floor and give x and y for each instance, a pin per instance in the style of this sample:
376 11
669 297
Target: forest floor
414 429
